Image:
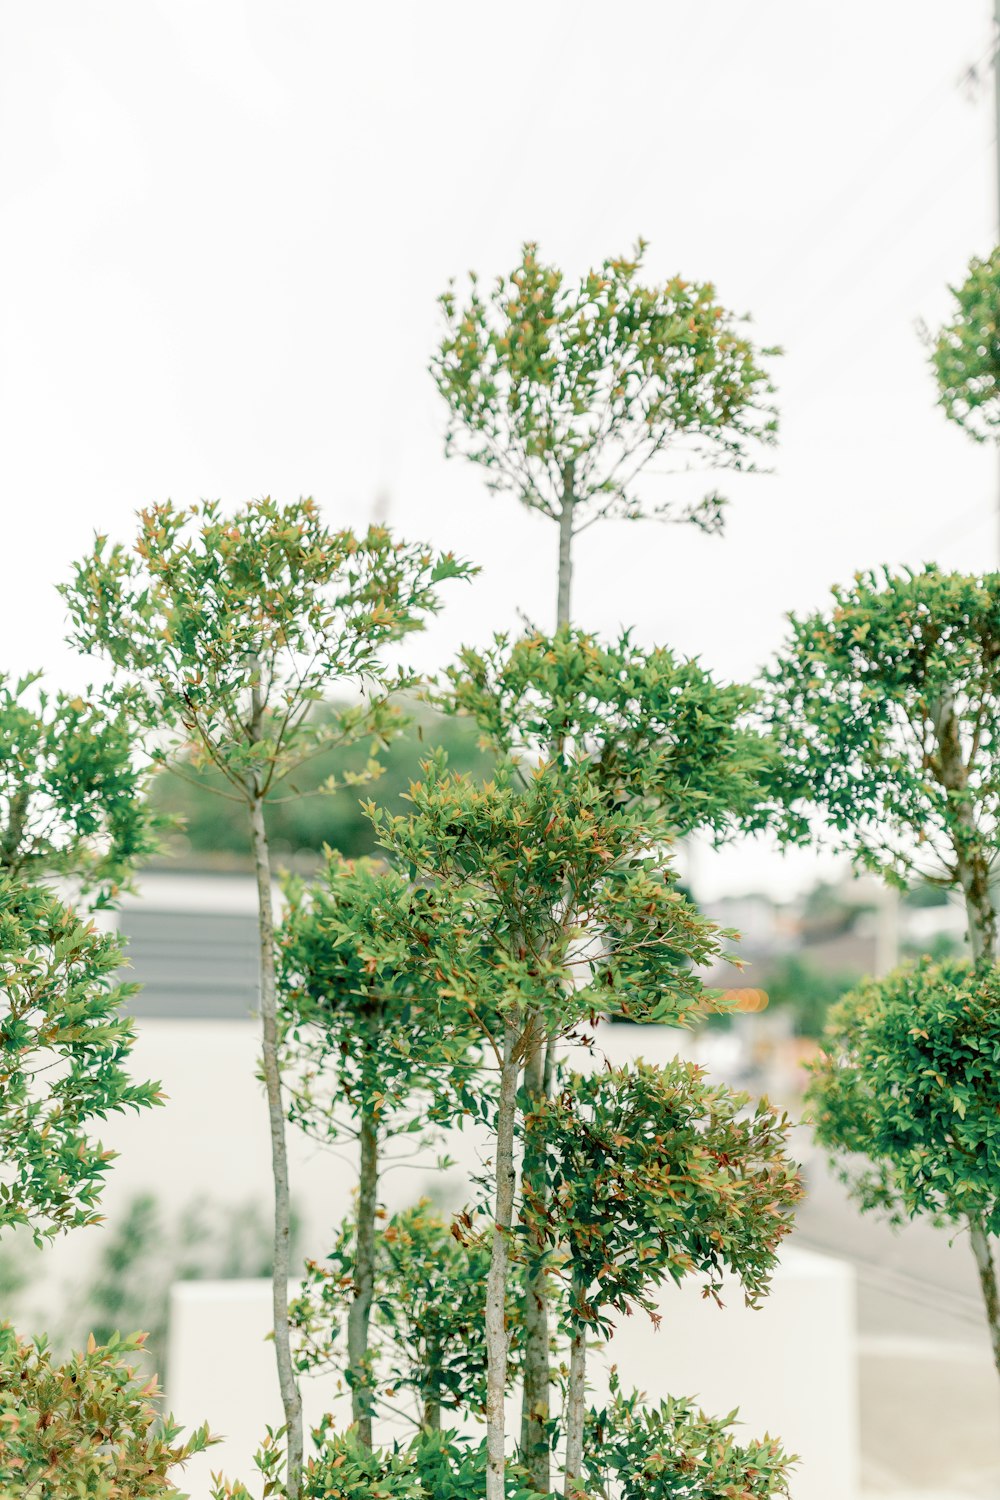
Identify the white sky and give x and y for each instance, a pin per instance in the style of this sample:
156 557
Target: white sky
225 226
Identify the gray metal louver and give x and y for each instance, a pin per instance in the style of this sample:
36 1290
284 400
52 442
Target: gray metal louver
191 963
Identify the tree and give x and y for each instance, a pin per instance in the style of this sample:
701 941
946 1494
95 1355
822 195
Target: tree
489 917
63 1048
647 729
86 1426
566 392
965 353
227 631
653 1173
428 1294
887 710
904 1091
366 1055
71 794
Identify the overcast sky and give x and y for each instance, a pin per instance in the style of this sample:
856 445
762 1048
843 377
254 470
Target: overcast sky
225 226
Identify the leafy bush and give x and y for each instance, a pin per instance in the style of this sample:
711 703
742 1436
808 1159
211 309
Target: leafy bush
63 1048
85 1427
71 797
675 1452
435 1466
906 1084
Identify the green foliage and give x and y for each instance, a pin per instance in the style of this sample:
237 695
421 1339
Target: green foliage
86 1428
71 797
303 819
675 1452
429 1304
654 1173
905 1091
63 1048
230 630
493 925
888 711
645 724
965 354
362 1039
435 1466
565 392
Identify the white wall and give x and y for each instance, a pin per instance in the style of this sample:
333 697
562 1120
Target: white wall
790 1368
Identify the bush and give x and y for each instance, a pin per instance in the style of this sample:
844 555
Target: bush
86 1427
675 1452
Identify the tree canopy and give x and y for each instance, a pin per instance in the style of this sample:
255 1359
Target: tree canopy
887 709
72 794
965 352
63 1048
905 1092
564 391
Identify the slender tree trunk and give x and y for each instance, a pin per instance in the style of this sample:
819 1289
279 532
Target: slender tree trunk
535 1401
496 1281
988 1282
290 1396
432 1413
970 860
10 844
359 1317
565 548
535 1406
576 1406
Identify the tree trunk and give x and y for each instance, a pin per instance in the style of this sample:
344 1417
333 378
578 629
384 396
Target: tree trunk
359 1317
971 862
980 1241
432 1413
290 1396
565 548
535 1408
535 1404
496 1281
576 1406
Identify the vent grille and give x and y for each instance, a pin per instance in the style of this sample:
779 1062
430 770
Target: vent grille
191 963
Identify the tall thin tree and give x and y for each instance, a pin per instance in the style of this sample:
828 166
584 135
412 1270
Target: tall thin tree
228 630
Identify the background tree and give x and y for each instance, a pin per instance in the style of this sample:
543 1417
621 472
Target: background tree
887 709
965 352
905 1090
227 631
72 797
566 391
654 1174
366 1057
304 819
64 1045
